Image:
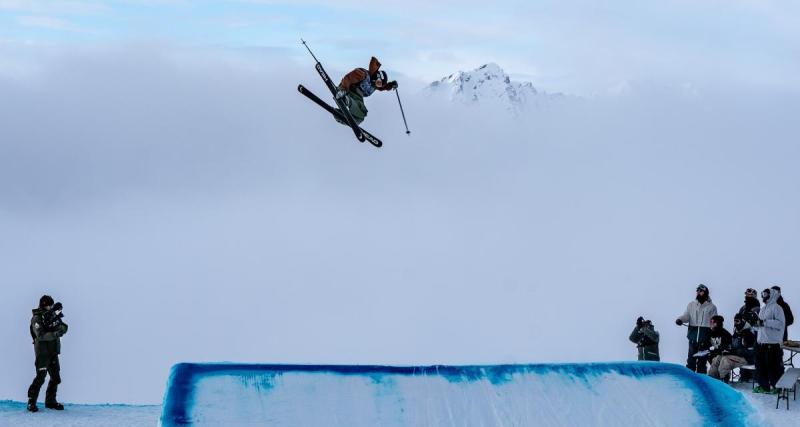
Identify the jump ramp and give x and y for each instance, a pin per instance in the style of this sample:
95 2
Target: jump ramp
595 394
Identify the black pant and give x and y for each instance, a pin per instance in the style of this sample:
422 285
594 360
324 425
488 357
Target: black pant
769 365
695 364
46 365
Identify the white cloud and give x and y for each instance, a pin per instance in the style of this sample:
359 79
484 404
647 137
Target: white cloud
196 204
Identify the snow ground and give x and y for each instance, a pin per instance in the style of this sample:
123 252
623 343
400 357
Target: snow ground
766 405
13 413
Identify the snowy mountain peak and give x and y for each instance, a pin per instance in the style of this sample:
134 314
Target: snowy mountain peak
485 84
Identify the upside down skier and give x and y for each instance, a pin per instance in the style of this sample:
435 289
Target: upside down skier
359 84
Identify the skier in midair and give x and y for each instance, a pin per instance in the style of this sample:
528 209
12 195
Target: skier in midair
361 83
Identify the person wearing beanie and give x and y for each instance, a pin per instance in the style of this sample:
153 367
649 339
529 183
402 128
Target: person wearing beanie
361 83
751 306
46 329
717 343
787 312
645 337
698 316
743 348
769 354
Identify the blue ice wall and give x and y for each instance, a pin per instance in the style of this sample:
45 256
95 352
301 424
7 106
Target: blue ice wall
595 394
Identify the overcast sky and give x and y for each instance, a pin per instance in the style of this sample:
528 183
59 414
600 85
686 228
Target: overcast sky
580 47
161 176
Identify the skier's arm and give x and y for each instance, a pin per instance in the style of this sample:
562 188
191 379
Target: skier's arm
389 86
351 78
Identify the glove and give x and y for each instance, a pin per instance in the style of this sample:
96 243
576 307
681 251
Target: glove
712 348
640 321
340 93
392 84
679 322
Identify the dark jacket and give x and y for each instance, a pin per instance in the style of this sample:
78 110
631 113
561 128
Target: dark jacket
46 338
787 314
717 341
750 309
744 343
646 340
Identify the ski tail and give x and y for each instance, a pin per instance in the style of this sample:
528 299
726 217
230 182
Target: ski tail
338 115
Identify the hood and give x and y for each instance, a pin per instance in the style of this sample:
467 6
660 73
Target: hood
774 294
374 65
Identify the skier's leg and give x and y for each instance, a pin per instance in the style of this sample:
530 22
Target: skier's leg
357 107
54 369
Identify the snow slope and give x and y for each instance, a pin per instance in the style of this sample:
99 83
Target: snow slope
605 394
14 414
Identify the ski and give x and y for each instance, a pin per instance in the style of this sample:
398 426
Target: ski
338 114
340 103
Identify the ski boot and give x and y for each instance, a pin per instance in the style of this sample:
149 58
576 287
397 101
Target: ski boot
32 406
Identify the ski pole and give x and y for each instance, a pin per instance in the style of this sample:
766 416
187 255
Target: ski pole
309 50
408 132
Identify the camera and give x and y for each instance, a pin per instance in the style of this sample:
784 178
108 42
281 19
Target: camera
52 317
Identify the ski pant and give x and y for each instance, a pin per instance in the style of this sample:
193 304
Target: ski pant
769 365
356 106
721 366
695 364
46 365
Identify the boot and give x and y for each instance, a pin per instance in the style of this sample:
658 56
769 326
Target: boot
54 405
32 406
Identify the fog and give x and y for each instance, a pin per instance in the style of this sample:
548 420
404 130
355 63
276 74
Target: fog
189 207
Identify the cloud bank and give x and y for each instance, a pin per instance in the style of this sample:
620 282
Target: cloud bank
188 207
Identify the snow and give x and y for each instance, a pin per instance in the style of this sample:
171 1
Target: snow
608 391
608 394
14 414
490 86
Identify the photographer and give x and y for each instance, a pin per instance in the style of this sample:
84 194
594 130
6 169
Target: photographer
46 329
645 337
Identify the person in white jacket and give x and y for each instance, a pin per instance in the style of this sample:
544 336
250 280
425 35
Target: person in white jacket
769 354
698 315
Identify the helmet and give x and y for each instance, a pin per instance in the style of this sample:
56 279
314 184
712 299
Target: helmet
750 292
381 75
702 287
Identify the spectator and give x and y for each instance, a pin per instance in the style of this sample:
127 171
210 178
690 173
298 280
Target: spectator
769 355
787 313
743 348
717 343
751 307
698 315
645 337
